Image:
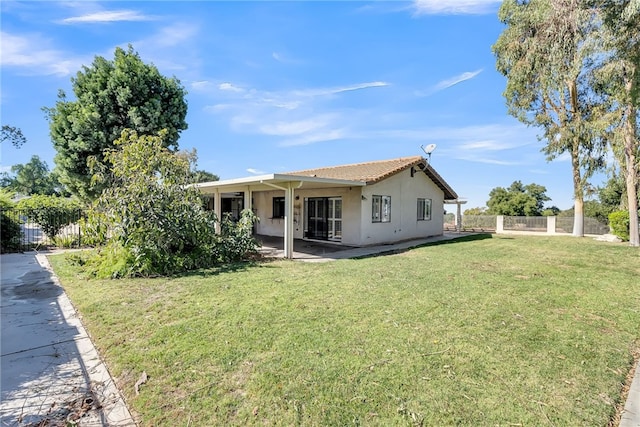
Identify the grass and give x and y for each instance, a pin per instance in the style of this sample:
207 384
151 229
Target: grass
495 331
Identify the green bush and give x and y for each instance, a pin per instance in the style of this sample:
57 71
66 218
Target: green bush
237 240
10 231
619 224
95 230
152 220
51 213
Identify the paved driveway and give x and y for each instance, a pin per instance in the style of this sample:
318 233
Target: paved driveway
51 374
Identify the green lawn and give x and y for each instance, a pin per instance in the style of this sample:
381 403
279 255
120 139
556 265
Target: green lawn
500 330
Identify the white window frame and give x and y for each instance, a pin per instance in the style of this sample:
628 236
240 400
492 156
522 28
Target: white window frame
424 209
380 208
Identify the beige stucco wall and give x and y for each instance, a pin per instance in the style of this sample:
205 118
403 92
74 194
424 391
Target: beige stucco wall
357 227
404 191
263 205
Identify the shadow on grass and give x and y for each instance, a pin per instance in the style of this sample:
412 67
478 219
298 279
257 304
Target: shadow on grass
457 240
232 267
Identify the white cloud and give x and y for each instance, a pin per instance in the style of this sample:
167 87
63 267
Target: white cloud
31 52
294 128
201 85
229 87
339 89
452 81
302 117
488 160
487 145
175 35
255 171
108 16
312 138
455 7
285 58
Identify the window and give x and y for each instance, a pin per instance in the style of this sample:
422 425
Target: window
278 207
424 209
381 209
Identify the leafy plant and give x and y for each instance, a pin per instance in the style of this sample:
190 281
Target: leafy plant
10 231
237 237
51 213
619 223
66 241
153 221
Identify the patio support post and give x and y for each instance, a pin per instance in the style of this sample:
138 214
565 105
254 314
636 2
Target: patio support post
458 217
246 204
288 221
217 208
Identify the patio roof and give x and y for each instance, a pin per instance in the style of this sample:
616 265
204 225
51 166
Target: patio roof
270 181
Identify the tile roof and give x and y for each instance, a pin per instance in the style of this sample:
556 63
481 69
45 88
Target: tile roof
369 172
372 172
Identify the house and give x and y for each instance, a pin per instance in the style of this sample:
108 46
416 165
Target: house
357 205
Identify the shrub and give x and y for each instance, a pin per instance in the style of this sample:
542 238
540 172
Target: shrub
619 224
66 242
153 221
95 230
237 237
51 213
10 230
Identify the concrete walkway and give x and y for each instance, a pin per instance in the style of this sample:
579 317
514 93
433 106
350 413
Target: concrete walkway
314 251
51 374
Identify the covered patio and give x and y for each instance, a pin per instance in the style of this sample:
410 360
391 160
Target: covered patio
245 187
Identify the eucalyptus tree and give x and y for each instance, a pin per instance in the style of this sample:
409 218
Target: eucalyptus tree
545 53
618 75
13 135
111 96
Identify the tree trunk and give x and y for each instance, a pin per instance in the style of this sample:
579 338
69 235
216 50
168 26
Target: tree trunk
630 148
578 194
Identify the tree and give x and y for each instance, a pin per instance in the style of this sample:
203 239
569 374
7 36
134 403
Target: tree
32 178
197 175
200 175
619 75
551 211
51 213
475 211
545 54
517 200
12 134
156 221
112 96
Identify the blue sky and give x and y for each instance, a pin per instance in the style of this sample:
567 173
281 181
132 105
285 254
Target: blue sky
281 86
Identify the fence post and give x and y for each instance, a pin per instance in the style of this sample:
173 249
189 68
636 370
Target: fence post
500 224
551 225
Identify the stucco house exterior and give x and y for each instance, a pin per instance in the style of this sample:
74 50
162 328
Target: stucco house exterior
357 205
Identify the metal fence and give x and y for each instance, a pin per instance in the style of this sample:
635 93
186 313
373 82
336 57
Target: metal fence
564 224
24 230
538 224
525 223
479 222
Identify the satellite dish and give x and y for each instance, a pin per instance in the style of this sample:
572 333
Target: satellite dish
428 149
